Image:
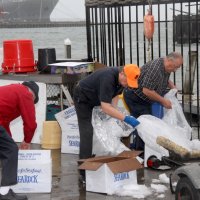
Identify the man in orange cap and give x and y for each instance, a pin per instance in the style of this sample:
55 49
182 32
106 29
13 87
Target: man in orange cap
102 88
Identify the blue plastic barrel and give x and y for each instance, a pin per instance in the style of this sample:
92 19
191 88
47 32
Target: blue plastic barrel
157 110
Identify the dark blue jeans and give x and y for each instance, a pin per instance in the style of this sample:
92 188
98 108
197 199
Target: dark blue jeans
9 158
137 107
84 115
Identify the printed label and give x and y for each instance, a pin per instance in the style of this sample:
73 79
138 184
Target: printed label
69 113
29 156
73 141
121 176
27 179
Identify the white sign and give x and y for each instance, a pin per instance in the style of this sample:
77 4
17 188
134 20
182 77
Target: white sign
70 131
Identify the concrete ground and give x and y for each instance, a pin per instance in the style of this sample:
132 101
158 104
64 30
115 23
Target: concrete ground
66 186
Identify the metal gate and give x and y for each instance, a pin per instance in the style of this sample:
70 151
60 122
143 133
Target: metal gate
115 37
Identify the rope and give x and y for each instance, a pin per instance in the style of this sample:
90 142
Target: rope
149 40
148 50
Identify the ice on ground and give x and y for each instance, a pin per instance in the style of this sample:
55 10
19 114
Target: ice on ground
161 196
159 188
155 181
134 190
163 178
142 191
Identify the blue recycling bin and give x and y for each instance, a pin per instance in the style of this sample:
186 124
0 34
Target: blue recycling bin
157 110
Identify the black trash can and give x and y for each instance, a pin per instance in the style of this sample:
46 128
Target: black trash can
46 56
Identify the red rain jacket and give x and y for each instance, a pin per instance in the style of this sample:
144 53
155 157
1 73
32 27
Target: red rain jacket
16 100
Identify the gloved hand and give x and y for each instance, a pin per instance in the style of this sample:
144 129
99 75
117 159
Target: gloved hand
131 121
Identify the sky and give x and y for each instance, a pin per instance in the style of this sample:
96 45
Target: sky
74 10
70 10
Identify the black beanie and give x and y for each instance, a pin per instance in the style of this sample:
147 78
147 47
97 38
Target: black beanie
34 87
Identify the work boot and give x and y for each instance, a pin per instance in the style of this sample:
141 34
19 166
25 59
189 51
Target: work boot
12 196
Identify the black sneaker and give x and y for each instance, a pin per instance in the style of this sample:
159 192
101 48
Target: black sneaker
12 196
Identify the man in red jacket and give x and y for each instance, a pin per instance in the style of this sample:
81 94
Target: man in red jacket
18 100
15 100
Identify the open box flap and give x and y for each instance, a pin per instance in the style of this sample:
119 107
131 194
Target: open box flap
93 166
130 154
125 165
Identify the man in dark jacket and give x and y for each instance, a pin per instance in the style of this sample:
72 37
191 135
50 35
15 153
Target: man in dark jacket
15 100
102 88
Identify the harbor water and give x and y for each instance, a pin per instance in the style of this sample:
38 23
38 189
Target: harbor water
50 38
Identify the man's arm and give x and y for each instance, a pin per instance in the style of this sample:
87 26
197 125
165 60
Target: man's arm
154 96
113 112
27 111
115 101
171 85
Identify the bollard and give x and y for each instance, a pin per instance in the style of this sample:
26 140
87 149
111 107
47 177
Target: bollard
67 44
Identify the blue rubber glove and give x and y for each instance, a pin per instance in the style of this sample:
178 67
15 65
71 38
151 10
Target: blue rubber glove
131 121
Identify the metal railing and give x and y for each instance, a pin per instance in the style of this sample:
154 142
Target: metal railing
115 37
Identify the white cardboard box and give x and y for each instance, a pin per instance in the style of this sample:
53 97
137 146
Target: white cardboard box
104 174
70 140
34 172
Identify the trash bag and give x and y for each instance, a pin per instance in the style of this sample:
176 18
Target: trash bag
151 127
107 133
175 116
172 126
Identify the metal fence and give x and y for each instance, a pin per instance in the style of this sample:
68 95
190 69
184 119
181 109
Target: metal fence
115 37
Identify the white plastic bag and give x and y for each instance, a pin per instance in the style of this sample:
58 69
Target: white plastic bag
107 134
172 126
175 116
151 127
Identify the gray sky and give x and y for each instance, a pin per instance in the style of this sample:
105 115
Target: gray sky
74 10
70 10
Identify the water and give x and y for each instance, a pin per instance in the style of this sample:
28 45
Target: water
54 38
51 38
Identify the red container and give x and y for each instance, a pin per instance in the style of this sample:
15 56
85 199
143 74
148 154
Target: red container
18 56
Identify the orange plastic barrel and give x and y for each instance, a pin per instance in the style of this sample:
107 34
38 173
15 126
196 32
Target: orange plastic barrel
18 56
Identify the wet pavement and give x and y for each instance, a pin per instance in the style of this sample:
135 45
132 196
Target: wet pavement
66 186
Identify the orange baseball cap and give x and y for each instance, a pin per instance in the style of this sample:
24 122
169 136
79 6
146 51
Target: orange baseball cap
132 72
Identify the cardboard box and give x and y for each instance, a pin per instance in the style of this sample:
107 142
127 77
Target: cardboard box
68 121
34 172
104 174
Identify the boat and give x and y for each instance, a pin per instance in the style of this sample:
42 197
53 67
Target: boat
187 26
26 11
